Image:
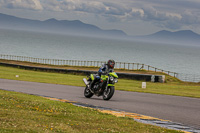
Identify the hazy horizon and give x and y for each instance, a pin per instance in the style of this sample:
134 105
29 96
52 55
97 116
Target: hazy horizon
79 28
134 17
67 47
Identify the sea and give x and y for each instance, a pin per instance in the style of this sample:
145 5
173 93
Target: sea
183 59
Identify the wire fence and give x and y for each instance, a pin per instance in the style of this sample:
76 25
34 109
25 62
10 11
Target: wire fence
189 77
118 65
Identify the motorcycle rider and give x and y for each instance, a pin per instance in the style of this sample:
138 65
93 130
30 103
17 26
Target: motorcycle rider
104 69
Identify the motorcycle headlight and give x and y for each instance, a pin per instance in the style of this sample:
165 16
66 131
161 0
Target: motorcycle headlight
116 80
111 78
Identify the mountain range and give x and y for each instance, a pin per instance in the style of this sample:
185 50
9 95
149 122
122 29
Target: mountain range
53 25
80 28
186 37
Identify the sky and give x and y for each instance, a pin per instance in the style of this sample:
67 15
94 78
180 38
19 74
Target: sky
134 17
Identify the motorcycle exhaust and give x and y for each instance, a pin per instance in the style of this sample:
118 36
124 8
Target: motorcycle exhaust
86 82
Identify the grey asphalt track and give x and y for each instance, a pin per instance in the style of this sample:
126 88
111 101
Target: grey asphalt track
183 110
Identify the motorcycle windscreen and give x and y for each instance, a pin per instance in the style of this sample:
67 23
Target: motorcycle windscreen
113 74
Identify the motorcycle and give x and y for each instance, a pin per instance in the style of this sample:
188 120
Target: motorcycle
102 87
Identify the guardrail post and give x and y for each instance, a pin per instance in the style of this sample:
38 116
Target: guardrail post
120 65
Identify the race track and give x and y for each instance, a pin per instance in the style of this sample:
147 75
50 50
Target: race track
177 109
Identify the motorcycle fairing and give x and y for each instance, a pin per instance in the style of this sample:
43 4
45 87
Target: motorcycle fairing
92 76
104 77
110 84
113 74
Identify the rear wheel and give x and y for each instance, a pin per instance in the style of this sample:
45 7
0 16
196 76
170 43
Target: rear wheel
87 92
108 92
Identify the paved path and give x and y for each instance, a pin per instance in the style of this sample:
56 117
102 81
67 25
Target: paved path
177 109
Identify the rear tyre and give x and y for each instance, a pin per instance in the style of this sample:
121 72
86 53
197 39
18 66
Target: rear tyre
87 92
108 93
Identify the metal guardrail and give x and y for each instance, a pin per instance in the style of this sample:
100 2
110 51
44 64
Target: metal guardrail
118 65
189 77
141 77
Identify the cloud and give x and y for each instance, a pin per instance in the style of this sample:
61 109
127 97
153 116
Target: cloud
93 7
51 5
162 19
156 11
190 17
22 4
177 20
166 14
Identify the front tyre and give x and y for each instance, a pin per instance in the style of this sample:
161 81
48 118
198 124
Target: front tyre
87 92
108 92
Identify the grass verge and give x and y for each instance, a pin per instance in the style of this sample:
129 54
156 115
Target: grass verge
169 88
28 113
168 78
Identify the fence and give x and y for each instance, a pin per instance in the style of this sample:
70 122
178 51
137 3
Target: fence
118 65
189 77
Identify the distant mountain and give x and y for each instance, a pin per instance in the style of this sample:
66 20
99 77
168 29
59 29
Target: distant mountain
187 37
178 37
53 25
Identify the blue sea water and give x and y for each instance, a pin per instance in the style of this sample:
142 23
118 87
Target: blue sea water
175 58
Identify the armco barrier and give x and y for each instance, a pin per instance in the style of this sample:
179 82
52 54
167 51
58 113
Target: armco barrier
118 65
142 77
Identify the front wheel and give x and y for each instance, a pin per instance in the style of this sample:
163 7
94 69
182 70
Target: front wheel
108 92
87 92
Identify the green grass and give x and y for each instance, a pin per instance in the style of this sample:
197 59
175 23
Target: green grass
28 113
44 77
169 88
174 88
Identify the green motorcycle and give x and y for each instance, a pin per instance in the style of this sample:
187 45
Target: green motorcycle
102 87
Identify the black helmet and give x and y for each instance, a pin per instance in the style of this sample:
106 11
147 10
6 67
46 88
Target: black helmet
111 64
